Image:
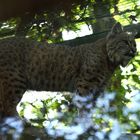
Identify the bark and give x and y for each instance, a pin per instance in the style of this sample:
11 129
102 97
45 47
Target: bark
18 8
102 8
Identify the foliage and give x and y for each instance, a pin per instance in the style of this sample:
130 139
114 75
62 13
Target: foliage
49 24
70 118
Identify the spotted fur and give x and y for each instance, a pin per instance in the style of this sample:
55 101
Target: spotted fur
28 65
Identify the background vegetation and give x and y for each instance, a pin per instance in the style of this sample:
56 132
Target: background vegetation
117 111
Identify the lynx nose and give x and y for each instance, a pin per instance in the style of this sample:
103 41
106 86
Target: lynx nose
132 53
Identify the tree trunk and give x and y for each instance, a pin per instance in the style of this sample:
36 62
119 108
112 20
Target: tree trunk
102 22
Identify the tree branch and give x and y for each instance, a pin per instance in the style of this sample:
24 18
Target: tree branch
93 37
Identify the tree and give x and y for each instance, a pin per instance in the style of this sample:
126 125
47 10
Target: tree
44 21
37 18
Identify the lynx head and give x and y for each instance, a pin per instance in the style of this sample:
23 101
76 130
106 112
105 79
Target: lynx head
121 46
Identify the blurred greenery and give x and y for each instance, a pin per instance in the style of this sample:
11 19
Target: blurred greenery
118 110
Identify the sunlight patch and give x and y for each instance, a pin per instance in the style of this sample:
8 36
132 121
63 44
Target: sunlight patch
84 30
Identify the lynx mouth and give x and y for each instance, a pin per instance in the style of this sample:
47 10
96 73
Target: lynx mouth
130 54
127 59
124 63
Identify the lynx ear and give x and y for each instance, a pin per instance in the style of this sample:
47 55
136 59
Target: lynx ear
116 29
133 33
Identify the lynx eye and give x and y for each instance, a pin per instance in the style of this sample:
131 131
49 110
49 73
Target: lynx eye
130 53
126 42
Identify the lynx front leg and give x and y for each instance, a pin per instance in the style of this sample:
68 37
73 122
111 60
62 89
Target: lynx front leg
90 83
89 91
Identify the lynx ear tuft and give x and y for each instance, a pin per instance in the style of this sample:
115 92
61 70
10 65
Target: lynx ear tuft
116 29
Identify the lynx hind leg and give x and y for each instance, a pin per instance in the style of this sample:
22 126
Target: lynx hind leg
10 96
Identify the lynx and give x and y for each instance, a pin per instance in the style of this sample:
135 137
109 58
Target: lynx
29 65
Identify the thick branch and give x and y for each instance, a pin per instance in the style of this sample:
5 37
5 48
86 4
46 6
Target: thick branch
87 38
18 8
94 37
